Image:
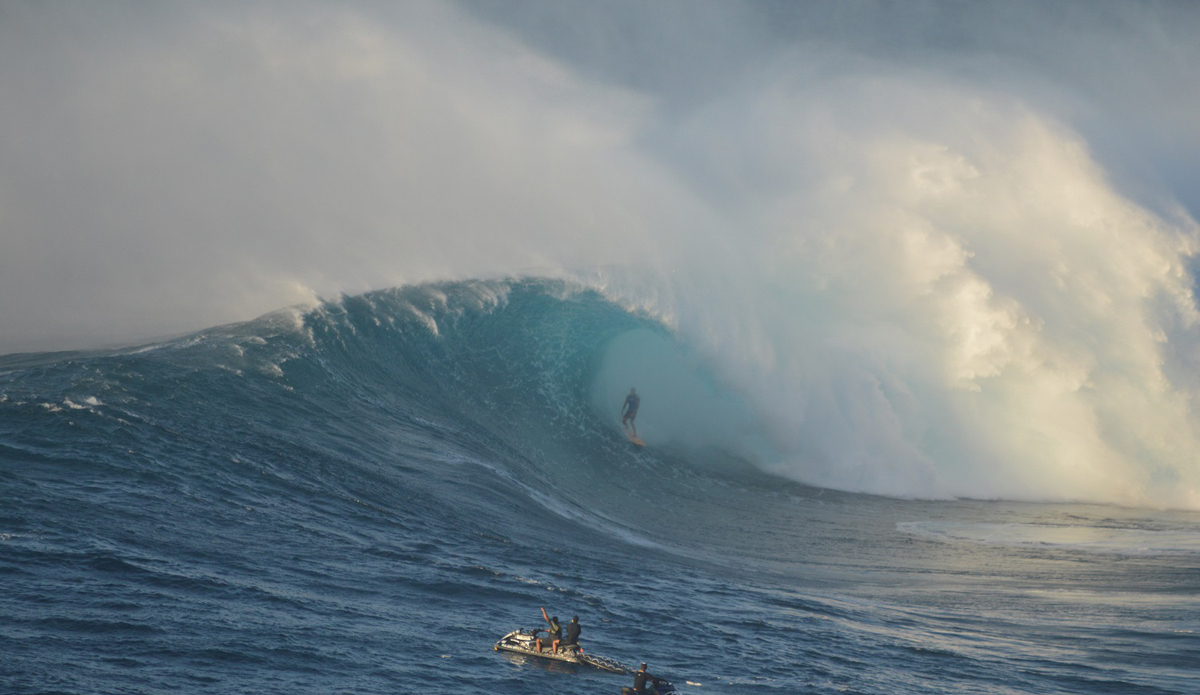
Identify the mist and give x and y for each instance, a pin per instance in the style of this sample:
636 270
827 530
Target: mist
202 166
938 249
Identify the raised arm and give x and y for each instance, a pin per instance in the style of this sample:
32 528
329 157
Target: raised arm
544 616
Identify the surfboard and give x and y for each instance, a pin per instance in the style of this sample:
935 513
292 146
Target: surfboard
636 439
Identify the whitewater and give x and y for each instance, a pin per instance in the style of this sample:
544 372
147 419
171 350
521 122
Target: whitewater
316 321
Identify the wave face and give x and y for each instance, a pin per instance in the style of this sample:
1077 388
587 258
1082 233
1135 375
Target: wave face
542 367
366 495
522 378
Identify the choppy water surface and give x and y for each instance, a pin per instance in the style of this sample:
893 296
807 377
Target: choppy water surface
364 498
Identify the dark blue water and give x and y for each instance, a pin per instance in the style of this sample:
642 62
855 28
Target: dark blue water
364 498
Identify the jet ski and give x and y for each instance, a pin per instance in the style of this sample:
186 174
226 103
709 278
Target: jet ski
525 642
658 687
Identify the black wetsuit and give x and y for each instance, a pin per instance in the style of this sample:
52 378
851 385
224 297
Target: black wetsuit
639 685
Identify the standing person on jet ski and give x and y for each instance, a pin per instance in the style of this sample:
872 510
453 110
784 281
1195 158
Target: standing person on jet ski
553 635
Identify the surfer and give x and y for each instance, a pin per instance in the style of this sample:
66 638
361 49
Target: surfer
629 410
553 635
639 683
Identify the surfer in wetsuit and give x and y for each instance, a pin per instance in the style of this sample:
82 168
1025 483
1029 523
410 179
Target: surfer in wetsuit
629 410
639 683
571 641
553 635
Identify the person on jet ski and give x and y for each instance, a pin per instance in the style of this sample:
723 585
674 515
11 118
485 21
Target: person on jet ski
641 677
553 635
571 641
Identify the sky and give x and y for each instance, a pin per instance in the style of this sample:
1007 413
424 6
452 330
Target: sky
941 248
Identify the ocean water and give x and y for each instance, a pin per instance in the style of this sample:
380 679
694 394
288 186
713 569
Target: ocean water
362 498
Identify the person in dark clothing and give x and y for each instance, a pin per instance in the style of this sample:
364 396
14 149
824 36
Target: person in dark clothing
571 641
629 410
553 635
640 678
